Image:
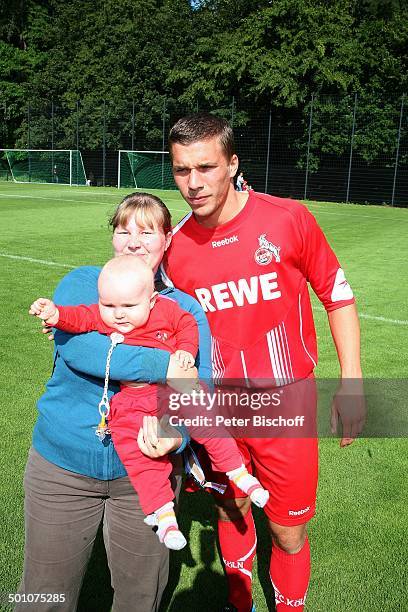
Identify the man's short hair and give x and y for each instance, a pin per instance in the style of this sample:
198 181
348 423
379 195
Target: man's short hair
203 126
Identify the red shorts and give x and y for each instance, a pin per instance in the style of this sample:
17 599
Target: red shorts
287 466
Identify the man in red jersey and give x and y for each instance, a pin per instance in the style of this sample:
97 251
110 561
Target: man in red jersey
248 258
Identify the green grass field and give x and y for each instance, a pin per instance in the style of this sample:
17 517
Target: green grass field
359 537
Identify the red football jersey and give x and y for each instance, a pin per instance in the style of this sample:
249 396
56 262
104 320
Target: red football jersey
250 275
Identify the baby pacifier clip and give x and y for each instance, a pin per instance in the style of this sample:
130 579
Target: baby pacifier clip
104 408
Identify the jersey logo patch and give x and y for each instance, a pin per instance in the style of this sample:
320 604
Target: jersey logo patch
266 251
161 336
341 289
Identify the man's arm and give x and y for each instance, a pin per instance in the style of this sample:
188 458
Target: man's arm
348 402
322 269
345 330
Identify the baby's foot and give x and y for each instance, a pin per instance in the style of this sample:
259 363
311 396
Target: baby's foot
259 496
168 530
249 485
174 539
151 520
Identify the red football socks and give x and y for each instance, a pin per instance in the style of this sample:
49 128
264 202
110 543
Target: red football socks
290 577
238 548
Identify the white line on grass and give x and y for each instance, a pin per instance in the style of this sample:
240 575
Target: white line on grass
39 261
321 309
62 199
319 208
32 197
363 315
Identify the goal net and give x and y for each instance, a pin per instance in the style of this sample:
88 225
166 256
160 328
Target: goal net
64 167
145 170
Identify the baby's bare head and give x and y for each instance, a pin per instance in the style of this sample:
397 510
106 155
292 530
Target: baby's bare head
126 275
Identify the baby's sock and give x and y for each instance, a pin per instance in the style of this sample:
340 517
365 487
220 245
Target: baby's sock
249 485
151 520
167 527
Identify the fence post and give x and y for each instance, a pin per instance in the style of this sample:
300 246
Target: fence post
29 142
232 111
133 126
104 145
77 144
4 126
77 125
397 151
52 124
163 139
308 146
52 141
269 149
353 129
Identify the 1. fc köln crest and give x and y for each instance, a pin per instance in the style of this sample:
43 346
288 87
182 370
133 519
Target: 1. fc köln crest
266 251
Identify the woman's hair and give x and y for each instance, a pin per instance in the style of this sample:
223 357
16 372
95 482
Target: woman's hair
147 209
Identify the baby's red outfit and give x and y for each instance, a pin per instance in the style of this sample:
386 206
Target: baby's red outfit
169 328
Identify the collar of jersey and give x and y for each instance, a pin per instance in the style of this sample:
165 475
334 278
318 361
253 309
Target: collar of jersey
229 226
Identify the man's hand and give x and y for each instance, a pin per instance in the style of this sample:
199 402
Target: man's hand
349 408
158 439
184 359
45 310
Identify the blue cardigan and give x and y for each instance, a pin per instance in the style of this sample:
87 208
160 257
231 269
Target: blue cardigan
64 433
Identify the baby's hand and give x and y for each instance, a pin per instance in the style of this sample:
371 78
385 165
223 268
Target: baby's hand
185 359
46 310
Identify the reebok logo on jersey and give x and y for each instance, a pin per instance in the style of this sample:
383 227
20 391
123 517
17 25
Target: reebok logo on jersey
224 241
231 293
341 289
298 512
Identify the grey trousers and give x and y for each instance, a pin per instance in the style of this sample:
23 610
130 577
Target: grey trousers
63 511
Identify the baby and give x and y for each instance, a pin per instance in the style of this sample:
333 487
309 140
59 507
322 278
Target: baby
128 304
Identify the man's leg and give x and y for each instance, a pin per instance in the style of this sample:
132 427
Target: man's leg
62 513
236 532
237 538
290 566
138 562
288 469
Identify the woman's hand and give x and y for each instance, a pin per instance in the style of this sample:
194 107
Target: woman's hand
46 329
156 439
179 379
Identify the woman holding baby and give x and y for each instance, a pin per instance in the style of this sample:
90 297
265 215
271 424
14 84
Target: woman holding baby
75 481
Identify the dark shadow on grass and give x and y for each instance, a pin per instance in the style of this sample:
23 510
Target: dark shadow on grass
208 590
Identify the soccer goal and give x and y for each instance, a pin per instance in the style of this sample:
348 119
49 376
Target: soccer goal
57 166
145 170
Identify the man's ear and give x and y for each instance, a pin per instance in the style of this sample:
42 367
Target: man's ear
234 163
153 299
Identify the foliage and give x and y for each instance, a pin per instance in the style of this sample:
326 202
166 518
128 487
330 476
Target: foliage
113 55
